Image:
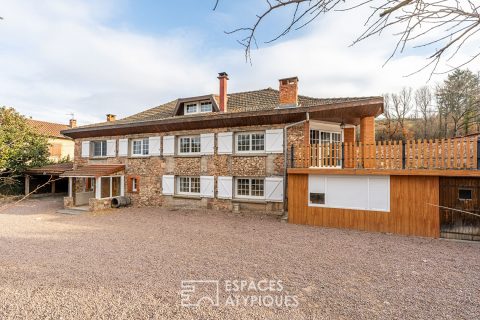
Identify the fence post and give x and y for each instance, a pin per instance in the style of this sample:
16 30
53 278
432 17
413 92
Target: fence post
478 153
343 155
404 152
292 158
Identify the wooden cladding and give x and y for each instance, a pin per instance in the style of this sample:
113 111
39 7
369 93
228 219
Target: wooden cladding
413 209
458 153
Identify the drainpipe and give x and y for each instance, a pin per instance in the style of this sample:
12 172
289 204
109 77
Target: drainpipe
285 157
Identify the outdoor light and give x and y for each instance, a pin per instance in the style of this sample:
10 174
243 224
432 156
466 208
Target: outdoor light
342 125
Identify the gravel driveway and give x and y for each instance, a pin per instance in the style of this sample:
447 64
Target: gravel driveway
129 264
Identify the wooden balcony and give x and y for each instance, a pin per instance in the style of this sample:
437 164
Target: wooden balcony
444 154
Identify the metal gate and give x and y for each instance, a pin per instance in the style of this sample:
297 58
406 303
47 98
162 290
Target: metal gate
460 208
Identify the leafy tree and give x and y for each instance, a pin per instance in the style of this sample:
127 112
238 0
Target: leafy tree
458 98
20 148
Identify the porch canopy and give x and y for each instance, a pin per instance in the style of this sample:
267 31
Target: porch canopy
93 171
51 169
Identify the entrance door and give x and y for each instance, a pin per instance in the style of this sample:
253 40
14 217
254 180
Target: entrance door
326 148
460 208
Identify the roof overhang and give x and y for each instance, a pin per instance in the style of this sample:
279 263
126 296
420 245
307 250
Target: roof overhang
349 112
94 171
50 170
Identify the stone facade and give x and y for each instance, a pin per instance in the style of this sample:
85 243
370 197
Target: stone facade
149 170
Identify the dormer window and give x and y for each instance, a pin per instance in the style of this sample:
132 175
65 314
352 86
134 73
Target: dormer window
198 107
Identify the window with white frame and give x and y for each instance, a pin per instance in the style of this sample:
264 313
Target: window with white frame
250 188
198 107
252 142
188 185
189 145
99 148
134 185
140 147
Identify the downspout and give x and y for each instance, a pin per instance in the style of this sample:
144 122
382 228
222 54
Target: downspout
285 157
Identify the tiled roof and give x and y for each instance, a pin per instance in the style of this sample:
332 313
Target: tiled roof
259 100
56 168
48 129
94 170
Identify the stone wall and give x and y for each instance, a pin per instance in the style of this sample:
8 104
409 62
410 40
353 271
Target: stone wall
149 170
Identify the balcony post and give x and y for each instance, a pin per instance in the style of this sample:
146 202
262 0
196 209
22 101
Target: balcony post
348 137
404 154
367 138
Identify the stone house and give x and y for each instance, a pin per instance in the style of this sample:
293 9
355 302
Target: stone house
221 151
60 146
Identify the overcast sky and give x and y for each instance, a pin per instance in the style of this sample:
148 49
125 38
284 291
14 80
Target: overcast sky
121 57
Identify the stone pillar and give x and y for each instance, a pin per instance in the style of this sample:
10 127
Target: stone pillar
367 138
349 142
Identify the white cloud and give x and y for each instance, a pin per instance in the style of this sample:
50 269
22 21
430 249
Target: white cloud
58 57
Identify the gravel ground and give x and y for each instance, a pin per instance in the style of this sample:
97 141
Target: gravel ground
129 264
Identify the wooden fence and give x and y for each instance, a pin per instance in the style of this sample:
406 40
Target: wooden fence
456 153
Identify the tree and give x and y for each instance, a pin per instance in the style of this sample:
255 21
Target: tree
459 98
402 105
423 101
444 27
20 148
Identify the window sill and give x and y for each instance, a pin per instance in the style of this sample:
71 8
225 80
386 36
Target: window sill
139 157
250 154
240 200
187 196
188 156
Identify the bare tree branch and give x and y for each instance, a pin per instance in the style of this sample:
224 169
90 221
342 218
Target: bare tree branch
451 23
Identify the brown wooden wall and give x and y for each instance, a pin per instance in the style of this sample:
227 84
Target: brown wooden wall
410 212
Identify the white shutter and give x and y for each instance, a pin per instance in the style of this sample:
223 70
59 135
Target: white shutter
168 183
274 141
123 147
168 145
154 146
207 143
206 186
274 189
224 187
225 142
111 148
85 149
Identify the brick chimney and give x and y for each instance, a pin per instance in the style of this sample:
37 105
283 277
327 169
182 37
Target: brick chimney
289 91
111 117
223 77
73 123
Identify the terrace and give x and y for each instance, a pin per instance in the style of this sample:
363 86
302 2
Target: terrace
457 156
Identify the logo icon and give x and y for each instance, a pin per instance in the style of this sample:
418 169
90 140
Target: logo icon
194 293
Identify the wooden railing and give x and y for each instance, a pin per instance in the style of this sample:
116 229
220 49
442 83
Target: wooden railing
456 153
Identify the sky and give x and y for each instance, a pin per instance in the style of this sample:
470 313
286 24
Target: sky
91 58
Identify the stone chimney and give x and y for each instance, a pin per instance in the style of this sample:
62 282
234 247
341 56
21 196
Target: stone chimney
111 117
289 91
73 123
223 77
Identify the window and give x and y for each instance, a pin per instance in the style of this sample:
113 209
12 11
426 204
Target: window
251 142
134 185
198 107
250 188
189 145
188 185
317 198
140 147
464 194
100 148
